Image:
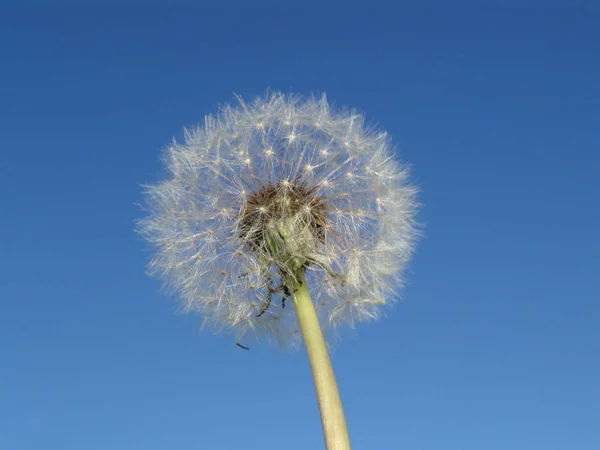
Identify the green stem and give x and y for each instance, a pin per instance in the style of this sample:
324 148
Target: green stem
328 397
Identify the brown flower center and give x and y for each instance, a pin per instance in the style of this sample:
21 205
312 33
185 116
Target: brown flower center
285 222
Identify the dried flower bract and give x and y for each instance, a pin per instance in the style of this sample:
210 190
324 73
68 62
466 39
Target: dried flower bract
271 189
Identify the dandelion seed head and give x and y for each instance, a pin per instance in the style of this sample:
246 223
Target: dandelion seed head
272 188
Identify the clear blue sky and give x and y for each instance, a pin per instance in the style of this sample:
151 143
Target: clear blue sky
496 342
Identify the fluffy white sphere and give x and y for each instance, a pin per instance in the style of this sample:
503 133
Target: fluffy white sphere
268 189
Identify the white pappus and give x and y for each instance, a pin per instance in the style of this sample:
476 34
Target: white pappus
267 189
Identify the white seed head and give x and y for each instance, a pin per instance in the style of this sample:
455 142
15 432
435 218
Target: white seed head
271 189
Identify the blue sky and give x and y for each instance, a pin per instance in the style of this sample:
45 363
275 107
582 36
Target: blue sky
495 344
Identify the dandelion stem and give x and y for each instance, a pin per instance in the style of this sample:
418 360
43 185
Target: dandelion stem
328 397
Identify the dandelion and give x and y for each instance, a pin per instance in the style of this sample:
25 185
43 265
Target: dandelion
270 198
